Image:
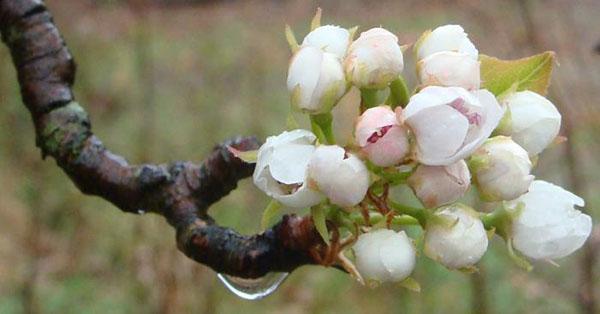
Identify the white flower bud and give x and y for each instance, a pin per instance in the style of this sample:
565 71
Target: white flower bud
316 80
281 169
329 38
446 38
547 225
459 241
449 123
502 169
440 185
342 177
532 121
381 137
449 68
374 59
384 256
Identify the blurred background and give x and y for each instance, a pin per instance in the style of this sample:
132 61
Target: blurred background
167 80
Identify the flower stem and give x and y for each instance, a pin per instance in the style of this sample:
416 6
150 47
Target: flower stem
322 126
375 218
420 214
499 220
399 94
368 98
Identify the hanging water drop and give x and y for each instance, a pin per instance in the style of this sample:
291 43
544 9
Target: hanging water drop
253 289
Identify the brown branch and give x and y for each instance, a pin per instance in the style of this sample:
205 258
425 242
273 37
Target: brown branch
180 191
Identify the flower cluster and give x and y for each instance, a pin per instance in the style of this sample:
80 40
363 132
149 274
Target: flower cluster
455 131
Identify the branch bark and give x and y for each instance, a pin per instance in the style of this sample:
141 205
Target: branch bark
180 191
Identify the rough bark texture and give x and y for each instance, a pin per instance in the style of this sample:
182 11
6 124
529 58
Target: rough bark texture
180 191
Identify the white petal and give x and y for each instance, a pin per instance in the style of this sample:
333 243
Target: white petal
440 132
304 72
447 38
304 197
289 162
329 38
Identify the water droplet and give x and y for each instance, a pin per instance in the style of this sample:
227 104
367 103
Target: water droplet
141 211
253 289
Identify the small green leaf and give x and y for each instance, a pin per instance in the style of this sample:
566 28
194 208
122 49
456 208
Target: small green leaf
316 21
503 76
249 156
271 212
291 38
318 217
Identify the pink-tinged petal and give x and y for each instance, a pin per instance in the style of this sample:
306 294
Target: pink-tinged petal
390 149
371 121
440 132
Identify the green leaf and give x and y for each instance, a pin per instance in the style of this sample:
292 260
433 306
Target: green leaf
318 216
504 76
271 212
249 156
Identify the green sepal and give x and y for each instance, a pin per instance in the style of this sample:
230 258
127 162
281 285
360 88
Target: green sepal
520 261
316 20
318 217
323 124
272 211
291 123
410 284
291 39
469 270
352 32
419 42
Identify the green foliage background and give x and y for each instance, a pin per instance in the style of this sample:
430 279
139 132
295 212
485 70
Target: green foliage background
166 83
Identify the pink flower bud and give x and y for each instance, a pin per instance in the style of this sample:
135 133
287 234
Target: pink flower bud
381 137
440 185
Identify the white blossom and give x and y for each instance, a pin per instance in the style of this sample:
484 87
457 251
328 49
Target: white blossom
459 240
342 177
440 185
547 225
446 38
381 137
531 120
449 123
281 168
329 38
316 80
384 256
449 68
502 169
374 59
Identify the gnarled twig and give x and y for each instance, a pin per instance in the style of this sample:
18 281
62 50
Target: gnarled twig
180 191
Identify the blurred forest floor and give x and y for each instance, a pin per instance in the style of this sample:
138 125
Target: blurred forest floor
167 82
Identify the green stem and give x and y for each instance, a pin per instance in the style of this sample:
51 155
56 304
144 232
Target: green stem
499 220
418 213
322 126
368 98
399 94
375 218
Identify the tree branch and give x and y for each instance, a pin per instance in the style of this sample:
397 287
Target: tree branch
180 191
